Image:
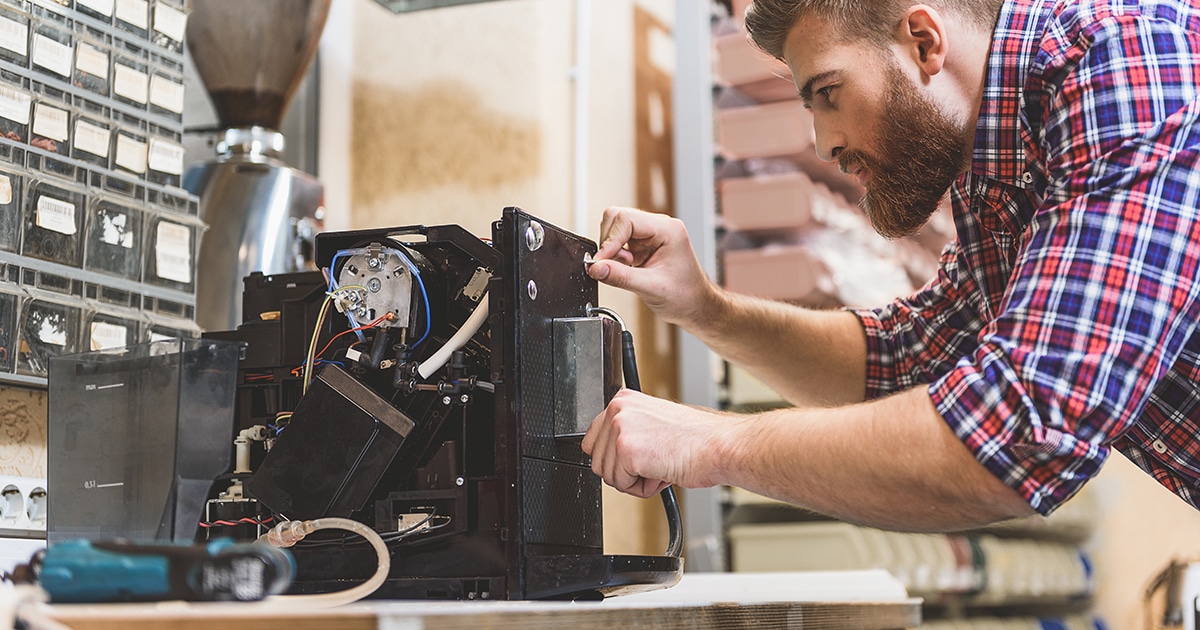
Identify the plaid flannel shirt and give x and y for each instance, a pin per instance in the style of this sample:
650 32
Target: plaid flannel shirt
1063 320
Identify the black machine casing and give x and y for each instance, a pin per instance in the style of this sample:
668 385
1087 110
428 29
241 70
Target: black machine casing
523 507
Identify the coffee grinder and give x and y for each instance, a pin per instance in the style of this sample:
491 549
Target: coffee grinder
262 214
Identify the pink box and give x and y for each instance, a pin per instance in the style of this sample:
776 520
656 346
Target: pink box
767 202
771 130
779 272
737 61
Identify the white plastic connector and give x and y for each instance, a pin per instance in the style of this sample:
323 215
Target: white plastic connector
22 506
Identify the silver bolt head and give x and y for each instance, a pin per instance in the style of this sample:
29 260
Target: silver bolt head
374 285
535 235
459 481
446 400
464 399
533 290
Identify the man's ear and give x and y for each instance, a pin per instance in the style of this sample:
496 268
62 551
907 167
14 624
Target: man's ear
922 38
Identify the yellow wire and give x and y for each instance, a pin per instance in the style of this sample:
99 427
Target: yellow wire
312 345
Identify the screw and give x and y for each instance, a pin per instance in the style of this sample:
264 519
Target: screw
464 399
535 235
532 290
373 285
446 400
373 263
459 481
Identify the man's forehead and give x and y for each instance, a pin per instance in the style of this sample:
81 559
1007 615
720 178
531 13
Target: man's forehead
814 47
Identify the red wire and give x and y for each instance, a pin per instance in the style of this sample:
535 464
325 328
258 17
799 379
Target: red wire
373 324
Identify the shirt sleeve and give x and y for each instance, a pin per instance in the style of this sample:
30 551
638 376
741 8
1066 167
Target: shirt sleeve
1103 296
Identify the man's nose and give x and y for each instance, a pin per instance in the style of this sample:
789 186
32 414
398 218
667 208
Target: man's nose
829 142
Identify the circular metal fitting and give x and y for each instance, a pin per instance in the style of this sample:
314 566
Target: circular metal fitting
446 400
373 285
464 399
532 290
458 481
535 235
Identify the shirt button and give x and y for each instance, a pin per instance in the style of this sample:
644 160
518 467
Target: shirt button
1027 178
1159 446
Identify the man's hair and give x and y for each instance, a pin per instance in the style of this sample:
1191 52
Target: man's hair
875 21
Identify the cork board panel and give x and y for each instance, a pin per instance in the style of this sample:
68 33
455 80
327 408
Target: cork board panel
22 431
436 137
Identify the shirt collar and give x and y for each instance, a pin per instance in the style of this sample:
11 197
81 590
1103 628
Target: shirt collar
999 150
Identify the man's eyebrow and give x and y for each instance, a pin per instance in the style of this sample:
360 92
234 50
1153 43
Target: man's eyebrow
806 91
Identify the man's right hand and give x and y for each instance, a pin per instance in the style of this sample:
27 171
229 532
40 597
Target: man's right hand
651 255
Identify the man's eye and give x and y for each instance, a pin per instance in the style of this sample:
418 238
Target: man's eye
825 92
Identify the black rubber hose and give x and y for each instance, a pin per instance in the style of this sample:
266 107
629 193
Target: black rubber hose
670 503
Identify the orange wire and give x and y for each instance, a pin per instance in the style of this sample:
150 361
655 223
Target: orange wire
385 317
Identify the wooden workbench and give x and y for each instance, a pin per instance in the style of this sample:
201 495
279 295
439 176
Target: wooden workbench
855 599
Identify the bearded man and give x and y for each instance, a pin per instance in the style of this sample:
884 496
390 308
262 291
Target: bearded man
1062 322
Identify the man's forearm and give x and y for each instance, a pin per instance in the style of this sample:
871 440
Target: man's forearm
891 463
812 358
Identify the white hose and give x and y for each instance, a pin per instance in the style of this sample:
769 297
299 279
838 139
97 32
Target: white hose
460 338
289 533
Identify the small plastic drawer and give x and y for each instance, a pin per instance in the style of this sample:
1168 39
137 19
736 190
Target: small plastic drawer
14 35
12 188
133 17
53 223
131 81
114 239
165 156
16 107
92 139
169 25
101 10
167 95
130 146
10 302
171 253
110 296
52 48
51 132
178 201
93 60
105 330
47 329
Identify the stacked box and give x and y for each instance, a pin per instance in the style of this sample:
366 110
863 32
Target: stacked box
98 241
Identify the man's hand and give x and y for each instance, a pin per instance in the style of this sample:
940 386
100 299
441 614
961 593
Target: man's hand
641 444
651 255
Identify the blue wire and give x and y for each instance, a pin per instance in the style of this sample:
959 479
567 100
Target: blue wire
428 313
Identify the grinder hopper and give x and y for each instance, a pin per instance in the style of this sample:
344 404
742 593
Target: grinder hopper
262 215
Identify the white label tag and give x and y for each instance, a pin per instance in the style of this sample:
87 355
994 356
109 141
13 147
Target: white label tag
114 230
106 336
166 157
50 122
103 7
173 253
14 36
134 12
130 83
56 215
91 60
14 105
131 154
6 191
52 334
52 55
91 138
166 93
170 22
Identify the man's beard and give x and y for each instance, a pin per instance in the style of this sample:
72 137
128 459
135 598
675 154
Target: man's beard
925 153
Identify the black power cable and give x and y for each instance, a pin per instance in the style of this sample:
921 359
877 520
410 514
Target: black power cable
632 381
